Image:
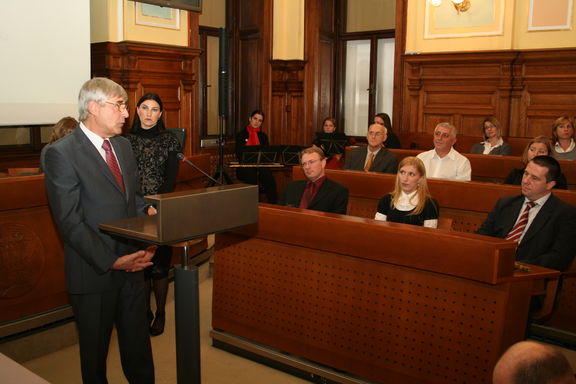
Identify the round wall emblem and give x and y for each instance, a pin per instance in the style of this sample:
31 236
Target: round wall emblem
22 260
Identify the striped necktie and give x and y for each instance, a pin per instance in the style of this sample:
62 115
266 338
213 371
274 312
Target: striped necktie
516 232
113 164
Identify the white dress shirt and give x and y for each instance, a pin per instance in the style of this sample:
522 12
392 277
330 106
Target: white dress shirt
488 147
453 166
97 141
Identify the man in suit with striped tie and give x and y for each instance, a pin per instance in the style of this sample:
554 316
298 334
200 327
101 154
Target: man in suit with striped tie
543 225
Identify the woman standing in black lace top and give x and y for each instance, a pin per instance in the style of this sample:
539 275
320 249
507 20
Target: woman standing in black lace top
155 150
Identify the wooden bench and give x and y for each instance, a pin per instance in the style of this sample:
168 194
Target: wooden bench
466 203
423 141
494 169
387 302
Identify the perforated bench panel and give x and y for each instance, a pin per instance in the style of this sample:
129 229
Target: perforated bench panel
375 320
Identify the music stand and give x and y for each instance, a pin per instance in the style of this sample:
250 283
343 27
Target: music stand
291 154
333 146
259 157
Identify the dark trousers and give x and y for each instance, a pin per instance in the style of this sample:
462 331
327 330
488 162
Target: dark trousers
95 316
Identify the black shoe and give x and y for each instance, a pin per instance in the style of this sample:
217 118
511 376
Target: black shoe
157 327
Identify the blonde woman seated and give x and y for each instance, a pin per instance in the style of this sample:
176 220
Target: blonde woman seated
493 143
410 203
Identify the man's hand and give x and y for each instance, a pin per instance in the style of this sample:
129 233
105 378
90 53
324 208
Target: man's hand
136 261
151 211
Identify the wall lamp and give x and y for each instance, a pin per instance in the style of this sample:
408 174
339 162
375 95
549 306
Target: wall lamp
460 5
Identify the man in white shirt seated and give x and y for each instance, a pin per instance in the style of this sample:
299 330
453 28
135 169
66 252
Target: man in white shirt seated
444 162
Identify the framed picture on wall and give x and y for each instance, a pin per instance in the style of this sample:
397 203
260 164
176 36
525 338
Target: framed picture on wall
481 18
189 5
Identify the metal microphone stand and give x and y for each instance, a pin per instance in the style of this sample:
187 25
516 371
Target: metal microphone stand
220 173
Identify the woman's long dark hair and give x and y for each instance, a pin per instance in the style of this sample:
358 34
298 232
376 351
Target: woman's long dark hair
137 125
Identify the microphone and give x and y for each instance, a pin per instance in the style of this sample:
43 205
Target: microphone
180 156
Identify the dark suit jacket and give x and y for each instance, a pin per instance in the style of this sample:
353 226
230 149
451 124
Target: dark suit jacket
385 161
551 238
83 193
331 197
504 150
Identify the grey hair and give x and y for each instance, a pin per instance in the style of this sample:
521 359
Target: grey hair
451 127
98 89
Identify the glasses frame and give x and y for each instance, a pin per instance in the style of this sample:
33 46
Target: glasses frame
121 107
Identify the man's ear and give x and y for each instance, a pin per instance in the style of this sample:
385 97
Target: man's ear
92 105
550 185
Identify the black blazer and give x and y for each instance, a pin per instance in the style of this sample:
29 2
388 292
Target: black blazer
83 193
385 161
241 139
331 197
550 239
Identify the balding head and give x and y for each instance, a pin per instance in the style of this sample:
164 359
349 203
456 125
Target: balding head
528 362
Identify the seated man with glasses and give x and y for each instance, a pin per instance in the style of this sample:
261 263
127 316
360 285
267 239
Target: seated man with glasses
373 157
444 162
317 192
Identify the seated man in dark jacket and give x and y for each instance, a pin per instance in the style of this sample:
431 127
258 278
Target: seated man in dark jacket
543 225
317 192
373 157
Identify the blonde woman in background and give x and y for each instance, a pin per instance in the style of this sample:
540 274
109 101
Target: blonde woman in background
563 135
410 202
493 143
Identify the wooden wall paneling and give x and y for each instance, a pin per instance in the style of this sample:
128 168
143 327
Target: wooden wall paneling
320 55
525 90
548 92
399 68
251 24
166 70
287 112
31 253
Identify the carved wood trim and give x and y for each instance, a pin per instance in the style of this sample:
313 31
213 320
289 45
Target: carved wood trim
525 90
169 71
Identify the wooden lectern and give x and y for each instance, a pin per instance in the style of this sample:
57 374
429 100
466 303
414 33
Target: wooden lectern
184 216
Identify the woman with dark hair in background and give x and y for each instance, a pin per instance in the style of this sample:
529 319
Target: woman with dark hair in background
252 138
563 135
329 141
383 119
538 146
493 143
155 150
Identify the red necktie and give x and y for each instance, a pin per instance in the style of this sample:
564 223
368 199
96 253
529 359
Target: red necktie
516 232
308 194
113 164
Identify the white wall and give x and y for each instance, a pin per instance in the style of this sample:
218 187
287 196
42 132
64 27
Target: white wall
45 59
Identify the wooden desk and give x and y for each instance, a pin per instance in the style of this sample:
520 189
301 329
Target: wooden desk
387 302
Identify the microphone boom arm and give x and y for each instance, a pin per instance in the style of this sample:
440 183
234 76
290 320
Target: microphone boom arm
183 159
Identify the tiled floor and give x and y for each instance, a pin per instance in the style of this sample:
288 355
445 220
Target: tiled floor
218 367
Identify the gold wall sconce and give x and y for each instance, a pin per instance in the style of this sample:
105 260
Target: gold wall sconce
460 5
